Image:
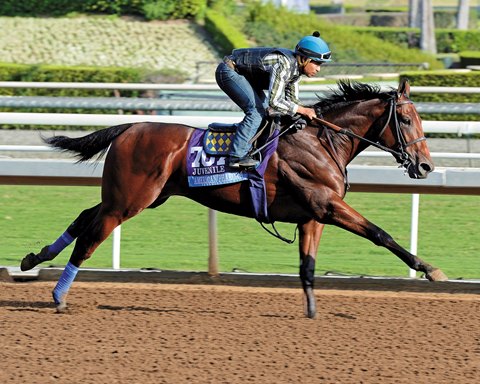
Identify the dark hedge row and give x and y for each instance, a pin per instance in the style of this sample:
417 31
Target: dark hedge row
151 9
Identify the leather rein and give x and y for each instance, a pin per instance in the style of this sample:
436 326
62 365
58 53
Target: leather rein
402 154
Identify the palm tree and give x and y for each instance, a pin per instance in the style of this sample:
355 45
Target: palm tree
463 14
427 32
414 14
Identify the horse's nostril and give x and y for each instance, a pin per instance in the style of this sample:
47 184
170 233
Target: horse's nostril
425 167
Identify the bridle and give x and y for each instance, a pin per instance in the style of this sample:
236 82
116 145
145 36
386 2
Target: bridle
401 155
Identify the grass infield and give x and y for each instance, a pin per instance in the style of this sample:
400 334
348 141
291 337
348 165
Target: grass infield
175 235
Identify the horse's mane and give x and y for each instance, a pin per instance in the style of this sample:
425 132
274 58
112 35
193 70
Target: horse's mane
349 92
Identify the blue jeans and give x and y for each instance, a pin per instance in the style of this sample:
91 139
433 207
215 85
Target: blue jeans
249 99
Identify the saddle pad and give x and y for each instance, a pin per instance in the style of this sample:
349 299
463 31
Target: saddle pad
205 169
217 142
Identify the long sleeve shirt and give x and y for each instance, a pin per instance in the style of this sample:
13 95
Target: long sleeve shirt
283 88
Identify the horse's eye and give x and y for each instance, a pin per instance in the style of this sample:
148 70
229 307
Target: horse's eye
406 120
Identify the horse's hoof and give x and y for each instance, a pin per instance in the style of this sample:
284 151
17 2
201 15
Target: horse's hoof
28 262
32 260
62 307
312 313
311 307
436 275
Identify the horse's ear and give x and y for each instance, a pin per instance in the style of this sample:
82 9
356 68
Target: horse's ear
404 88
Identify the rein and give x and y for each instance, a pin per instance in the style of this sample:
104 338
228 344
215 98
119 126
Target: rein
402 154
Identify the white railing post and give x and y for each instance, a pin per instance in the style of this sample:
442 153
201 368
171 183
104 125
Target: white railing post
414 229
116 247
212 243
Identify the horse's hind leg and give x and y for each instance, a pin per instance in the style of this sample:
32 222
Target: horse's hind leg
93 235
49 252
310 234
118 209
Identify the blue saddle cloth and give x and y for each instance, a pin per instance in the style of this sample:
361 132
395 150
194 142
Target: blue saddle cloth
207 166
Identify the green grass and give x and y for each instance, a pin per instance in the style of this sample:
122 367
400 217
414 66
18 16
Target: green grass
174 236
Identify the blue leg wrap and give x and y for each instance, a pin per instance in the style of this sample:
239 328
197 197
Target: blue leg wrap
64 283
61 243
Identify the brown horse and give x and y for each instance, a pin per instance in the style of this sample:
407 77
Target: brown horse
305 178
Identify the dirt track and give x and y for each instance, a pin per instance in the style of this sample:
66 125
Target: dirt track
153 333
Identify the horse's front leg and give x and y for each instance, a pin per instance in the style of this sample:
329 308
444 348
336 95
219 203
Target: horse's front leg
310 234
344 216
49 252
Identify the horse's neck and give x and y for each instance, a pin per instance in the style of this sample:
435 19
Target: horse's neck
361 119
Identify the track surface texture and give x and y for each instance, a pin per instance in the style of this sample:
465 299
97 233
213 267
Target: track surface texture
158 333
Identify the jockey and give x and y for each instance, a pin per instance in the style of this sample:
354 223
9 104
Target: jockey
246 73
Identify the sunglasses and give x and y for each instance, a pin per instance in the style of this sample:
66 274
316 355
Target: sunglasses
316 56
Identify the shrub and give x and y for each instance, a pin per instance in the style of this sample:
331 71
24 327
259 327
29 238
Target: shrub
152 9
469 58
159 10
448 40
223 33
445 78
22 72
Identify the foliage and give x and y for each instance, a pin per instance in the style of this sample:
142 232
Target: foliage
448 40
225 7
270 26
24 72
159 10
445 78
469 58
225 36
151 9
116 7
37 7
52 73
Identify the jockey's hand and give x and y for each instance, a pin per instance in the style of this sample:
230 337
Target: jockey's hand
307 112
298 122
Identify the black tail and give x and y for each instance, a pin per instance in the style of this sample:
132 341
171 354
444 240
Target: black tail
88 146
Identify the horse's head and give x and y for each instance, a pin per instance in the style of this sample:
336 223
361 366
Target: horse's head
403 133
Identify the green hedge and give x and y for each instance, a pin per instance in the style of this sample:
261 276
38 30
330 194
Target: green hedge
448 40
152 9
55 73
445 78
469 58
270 26
50 73
225 36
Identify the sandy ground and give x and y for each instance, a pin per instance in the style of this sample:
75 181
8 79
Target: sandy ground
153 333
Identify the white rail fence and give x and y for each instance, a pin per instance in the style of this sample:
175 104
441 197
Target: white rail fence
362 178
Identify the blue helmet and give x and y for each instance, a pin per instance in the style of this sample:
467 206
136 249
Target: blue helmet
314 48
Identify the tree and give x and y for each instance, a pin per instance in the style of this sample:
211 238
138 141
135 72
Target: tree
463 14
414 14
427 33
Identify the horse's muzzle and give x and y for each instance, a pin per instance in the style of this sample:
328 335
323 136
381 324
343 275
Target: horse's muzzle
419 169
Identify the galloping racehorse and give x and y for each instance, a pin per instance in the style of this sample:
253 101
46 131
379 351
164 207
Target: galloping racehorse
305 178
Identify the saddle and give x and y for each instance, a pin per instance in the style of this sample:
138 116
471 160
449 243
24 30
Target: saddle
219 137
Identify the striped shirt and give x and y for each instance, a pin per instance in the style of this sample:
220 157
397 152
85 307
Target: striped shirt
283 89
